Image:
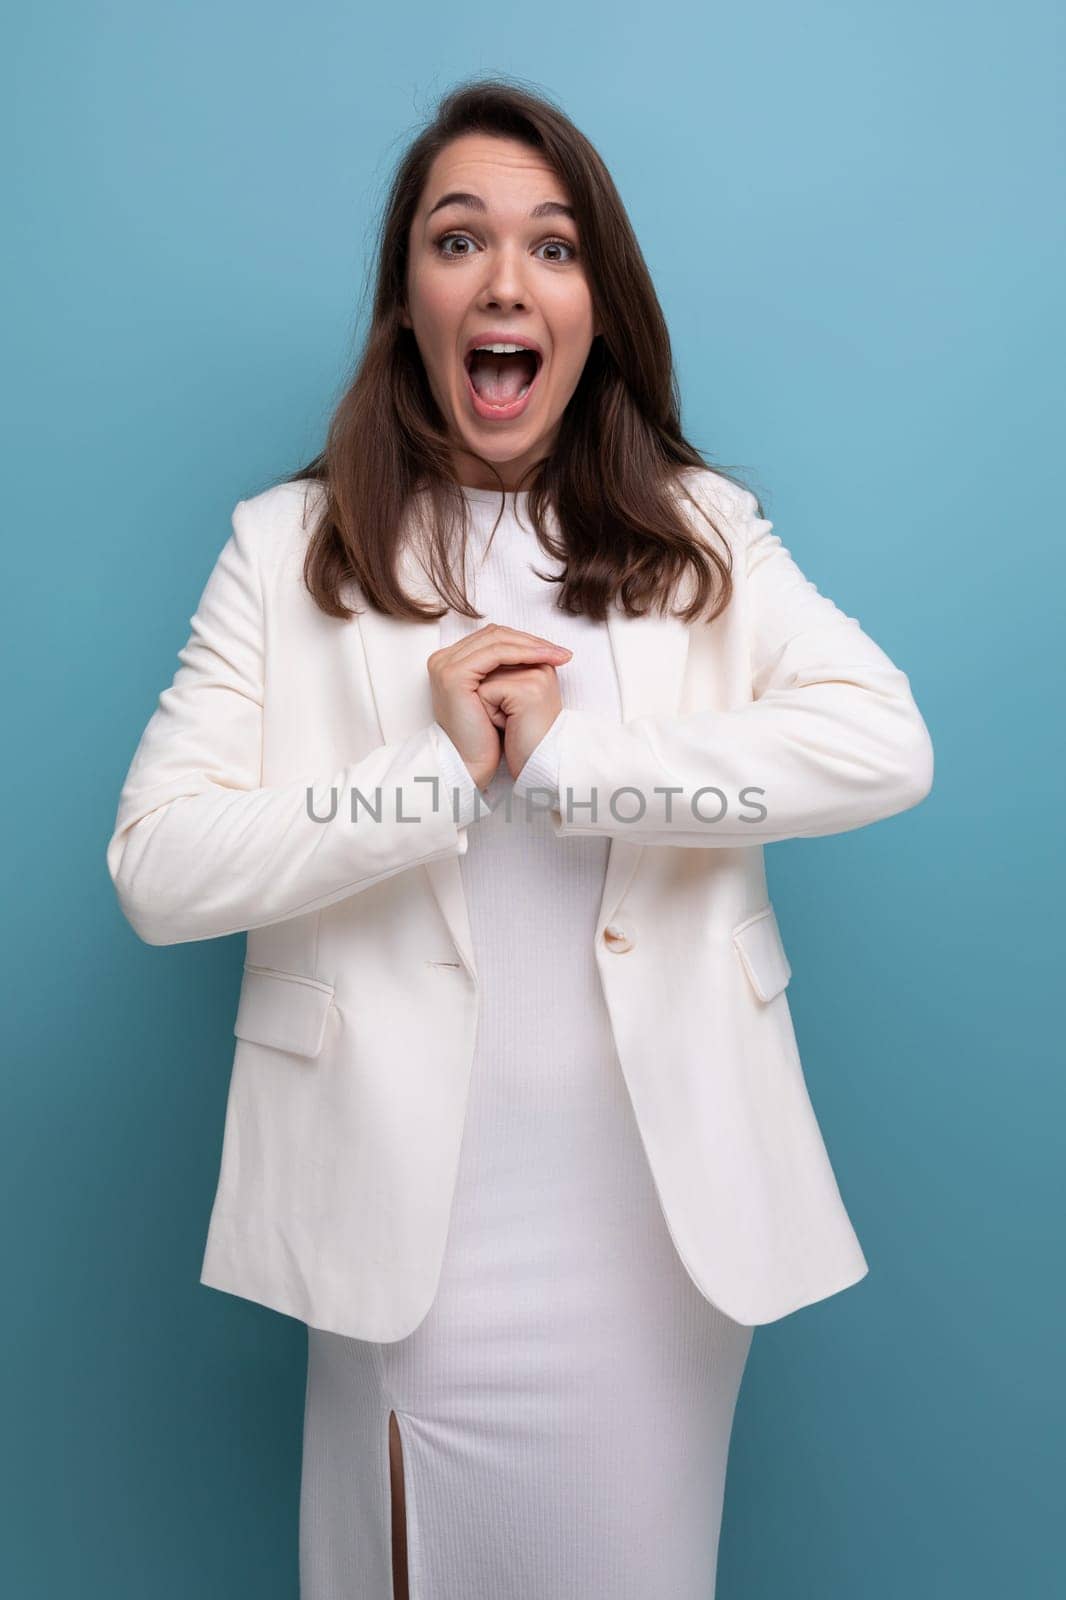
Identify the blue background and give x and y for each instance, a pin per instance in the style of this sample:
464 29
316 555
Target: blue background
854 220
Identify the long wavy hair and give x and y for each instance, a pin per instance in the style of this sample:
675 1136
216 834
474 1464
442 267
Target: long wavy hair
614 479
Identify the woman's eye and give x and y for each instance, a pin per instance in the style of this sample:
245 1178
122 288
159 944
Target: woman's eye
561 244
549 244
558 244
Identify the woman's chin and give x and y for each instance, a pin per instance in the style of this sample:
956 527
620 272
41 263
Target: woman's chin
488 446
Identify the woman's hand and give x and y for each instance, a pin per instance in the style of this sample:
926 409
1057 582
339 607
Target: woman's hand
523 702
496 680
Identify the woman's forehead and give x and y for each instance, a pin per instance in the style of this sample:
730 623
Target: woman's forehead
495 174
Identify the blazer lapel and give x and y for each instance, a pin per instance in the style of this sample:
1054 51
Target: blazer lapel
649 652
396 654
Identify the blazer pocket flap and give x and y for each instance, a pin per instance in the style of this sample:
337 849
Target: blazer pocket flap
758 942
284 1010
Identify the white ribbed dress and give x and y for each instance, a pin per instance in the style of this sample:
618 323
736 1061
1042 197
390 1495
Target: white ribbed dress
566 1405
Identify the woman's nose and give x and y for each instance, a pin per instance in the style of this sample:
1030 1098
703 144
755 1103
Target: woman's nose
505 278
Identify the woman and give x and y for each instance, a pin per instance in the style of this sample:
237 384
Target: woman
516 1124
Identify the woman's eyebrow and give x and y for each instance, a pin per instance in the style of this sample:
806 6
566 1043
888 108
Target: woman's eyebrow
474 202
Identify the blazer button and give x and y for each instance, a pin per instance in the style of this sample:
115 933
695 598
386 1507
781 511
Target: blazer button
617 938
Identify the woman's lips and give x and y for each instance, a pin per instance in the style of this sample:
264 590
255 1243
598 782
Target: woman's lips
490 413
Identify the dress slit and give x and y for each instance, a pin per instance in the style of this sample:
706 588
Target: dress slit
398 1502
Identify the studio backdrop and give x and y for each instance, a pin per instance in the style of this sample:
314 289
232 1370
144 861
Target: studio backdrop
853 217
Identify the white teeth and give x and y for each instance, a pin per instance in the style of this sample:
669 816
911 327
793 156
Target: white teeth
503 349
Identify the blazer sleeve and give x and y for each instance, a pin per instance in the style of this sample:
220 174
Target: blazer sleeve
832 739
201 847
541 770
471 804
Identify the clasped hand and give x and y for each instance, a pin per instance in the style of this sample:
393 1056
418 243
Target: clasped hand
494 691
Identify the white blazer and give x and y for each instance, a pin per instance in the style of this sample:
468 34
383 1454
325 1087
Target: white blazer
359 1001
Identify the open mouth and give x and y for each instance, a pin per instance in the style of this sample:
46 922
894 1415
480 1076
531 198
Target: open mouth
500 384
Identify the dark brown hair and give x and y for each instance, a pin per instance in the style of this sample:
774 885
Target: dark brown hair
612 479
